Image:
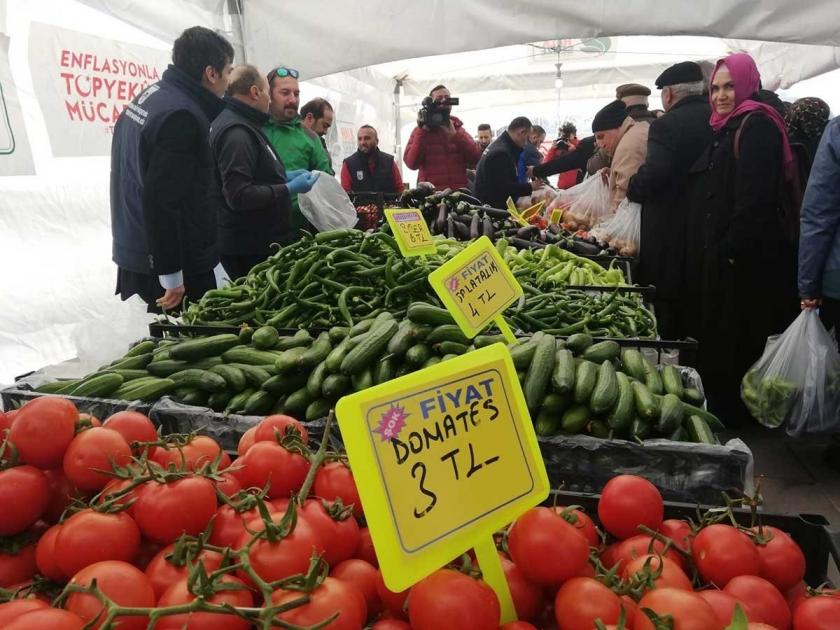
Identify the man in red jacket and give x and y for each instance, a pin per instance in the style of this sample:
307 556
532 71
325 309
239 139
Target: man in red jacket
443 154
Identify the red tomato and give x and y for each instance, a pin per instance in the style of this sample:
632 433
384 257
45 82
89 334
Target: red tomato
390 624
724 604
134 427
42 431
688 610
363 576
756 625
145 553
162 573
17 567
179 594
229 485
366 551
796 595
272 427
91 451
631 609
817 613
335 481
672 576
392 602
229 525
5 423
118 486
246 441
767 604
11 415
527 596
121 582
628 501
581 600
17 607
341 538
517 625
782 561
88 537
679 531
637 546
546 548
277 560
62 493
451 599
721 553
583 522
330 597
46 619
199 451
24 495
269 464
46 557
164 511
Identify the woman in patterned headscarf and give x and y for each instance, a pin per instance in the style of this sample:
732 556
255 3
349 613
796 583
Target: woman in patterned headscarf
806 119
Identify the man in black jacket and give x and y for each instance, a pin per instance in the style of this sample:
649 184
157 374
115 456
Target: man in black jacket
369 169
675 141
163 226
495 175
253 201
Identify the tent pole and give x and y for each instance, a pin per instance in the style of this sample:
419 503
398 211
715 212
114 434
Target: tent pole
237 20
397 123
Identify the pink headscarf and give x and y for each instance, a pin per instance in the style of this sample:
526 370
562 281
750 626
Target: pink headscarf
747 81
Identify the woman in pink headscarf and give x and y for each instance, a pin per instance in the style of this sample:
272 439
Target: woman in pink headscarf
740 261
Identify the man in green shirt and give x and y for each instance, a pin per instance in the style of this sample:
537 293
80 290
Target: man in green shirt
297 146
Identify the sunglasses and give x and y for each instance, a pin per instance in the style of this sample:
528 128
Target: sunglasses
284 72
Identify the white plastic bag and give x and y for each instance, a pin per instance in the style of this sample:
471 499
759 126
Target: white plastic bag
585 204
797 380
327 205
622 229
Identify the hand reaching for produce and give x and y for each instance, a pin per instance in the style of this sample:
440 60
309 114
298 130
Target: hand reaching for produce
295 173
171 298
810 303
302 183
537 184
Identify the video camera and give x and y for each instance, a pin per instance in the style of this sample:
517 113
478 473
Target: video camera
435 113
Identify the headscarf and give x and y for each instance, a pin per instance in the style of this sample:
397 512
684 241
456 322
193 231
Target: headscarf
747 82
807 118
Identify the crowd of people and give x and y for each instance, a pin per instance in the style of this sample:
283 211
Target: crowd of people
719 174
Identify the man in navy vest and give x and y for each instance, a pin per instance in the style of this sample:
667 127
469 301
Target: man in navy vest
369 169
162 218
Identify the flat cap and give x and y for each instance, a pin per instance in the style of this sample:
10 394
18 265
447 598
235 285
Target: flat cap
631 89
610 117
683 72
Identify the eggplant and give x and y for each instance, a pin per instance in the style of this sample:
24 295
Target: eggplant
495 213
467 197
487 228
528 232
462 231
466 219
474 223
441 222
582 248
522 243
450 226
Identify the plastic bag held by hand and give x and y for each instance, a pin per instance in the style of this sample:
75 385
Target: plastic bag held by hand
586 204
622 229
797 380
327 205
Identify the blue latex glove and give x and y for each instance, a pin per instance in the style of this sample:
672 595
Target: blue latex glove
294 174
302 183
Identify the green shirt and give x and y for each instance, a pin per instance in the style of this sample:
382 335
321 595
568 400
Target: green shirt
298 147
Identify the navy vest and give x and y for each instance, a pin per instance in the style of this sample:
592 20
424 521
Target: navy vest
135 133
382 180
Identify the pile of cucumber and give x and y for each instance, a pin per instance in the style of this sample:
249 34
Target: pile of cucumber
571 386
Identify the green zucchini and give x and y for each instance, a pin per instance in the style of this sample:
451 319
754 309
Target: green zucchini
625 405
670 414
634 364
563 377
422 313
99 385
265 338
370 349
539 373
234 377
579 342
575 419
200 379
672 381
645 404
586 377
602 351
195 349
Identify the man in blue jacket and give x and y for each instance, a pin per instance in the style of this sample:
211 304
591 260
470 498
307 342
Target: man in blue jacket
819 237
162 217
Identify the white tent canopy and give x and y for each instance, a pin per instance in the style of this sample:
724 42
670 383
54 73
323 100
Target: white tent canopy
55 267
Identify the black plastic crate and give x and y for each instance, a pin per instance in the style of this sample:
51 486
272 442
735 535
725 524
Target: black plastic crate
812 532
19 394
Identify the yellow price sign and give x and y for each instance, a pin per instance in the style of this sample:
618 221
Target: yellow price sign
477 286
411 231
514 213
556 216
443 458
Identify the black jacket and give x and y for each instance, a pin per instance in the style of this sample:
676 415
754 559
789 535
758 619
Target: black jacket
162 218
740 282
252 198
495 175
573 160
382 180
675 141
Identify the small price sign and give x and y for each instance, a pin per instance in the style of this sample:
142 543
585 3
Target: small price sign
411 231
477 286
443 458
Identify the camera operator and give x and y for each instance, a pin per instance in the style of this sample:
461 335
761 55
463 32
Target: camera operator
440 147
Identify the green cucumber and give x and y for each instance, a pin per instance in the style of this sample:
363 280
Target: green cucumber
129 375
575 419
316 380
316 353
579 342
141 347
335 386
265 338
634 364
245 334
99 385
301 339
360 328
586 377
482 341
547 423
237 403
289 359
191 396
672 381
432 361
285 383
255 375
539 373
422 313
336 356
249 356
625 405
693 396
522 353
385 370
709 418
451 347
144 389
56 387
259 403
297 402
698 430
679 435
195 349
556 403
605 393
447 332
362 380
370 349
640 429
219 400
563 377
670 414
645 404
598 429
418 354
199 379
234 377
317 409
653 380
602 351
138 362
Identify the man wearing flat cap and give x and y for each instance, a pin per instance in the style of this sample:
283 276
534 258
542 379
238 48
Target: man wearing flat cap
625 141
675 141
635 98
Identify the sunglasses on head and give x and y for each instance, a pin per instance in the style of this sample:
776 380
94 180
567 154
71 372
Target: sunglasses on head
284 72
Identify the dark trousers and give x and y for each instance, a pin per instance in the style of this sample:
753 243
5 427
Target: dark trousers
148 287
238 266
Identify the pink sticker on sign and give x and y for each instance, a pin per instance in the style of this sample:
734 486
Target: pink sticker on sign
392 422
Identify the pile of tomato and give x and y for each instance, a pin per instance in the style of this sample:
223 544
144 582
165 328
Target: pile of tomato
111 525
